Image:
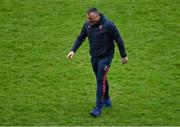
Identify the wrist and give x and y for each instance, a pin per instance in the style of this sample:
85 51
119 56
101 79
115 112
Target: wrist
123 56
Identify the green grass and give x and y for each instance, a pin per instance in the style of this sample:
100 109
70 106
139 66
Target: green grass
39 86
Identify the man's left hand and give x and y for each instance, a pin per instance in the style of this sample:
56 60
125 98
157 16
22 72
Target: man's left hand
124 60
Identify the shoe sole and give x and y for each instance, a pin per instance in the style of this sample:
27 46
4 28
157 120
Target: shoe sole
93 115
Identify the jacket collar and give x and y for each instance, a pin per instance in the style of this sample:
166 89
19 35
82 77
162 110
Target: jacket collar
101 20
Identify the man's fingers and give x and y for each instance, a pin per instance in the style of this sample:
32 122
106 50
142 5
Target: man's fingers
70 55
124 60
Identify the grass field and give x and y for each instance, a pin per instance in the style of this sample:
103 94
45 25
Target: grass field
39 86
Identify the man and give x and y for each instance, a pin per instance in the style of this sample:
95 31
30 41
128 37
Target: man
101 34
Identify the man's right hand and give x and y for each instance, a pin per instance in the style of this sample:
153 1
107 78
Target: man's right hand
70 55
124 60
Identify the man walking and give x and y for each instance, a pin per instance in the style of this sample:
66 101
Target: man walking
101 34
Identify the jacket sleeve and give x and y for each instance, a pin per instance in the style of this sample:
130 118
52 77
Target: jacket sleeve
114 33
79 40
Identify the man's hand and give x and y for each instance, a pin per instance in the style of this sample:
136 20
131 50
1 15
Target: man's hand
70 55
124 60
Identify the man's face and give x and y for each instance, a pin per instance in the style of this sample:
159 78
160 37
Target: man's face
93 18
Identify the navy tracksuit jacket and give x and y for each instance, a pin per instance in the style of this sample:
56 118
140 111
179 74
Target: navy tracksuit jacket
101 40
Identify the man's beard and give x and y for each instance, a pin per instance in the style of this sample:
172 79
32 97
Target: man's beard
92 23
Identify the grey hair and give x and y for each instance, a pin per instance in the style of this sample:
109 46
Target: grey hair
92 10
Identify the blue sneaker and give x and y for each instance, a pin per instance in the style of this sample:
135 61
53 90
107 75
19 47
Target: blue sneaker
96 112
107 103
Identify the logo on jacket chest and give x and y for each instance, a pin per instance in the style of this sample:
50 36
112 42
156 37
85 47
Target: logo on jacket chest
100 27
96 30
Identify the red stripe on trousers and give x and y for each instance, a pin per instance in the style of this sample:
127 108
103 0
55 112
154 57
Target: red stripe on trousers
104 83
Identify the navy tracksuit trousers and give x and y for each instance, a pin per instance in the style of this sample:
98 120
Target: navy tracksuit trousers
100 68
